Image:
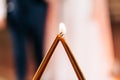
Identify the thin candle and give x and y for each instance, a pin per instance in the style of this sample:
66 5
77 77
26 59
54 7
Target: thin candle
70 55
72 60
46 59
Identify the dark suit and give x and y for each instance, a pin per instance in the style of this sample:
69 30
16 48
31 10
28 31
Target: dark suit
26 21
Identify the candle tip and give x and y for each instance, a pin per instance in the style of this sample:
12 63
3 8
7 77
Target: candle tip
62 28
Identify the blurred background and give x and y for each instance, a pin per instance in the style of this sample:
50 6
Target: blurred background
92 34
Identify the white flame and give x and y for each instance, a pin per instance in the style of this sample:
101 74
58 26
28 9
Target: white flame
62 28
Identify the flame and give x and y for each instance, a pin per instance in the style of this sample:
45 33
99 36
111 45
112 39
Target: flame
62 28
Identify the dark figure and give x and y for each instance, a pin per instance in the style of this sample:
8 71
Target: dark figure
26 21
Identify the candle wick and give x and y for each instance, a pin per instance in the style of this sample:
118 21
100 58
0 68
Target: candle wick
61 33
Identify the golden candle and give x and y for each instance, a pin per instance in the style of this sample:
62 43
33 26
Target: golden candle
72 60
70 55
46 59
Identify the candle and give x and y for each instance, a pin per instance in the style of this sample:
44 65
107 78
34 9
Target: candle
46 59
72 60
70 55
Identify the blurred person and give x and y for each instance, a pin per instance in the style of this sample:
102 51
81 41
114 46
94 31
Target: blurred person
26 20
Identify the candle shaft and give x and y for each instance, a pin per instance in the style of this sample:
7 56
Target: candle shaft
46 59
72 60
